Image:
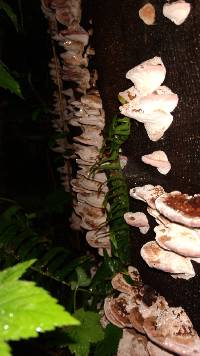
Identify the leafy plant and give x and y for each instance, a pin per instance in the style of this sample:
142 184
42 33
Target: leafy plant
26 309
8 82
109 345
89 332
18 239
117 196
10 13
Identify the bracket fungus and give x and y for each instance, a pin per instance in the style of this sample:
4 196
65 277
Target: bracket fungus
147 14
167 261
147 193
119 283
180 239
132 344
159 160
148 75
163 330
137 219
177 11
173 330
116 310
149 102
180 208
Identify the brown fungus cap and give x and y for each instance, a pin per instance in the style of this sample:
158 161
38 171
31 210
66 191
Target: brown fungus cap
119 283
116 310
180 208
147 14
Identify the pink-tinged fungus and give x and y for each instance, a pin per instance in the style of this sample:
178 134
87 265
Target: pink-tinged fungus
167 261
159 160
180 239
177 11
147 76
137 219
173 330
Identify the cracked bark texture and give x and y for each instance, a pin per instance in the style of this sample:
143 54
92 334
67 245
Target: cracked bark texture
121 41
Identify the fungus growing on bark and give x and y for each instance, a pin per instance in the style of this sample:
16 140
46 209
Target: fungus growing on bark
91 184
162 99
148 75
180 208
132 344
119 283
148 193
180 239
137 320
159 160
87 153
127 95
167 261
148 102
137 219
155 307
92 100
177 11
97 177
94 199
116 310
173 330
147 14
158 122
96 241
160 219
91 136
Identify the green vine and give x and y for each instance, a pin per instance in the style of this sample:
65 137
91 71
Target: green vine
117 197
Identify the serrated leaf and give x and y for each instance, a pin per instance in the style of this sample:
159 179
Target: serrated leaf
90 331
8 82
10 13
109 345
12 274
4 349
25 309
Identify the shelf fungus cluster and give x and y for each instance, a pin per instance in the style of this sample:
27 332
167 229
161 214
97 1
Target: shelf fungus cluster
176 11
177 235
148 101
77 104
150 326
90 188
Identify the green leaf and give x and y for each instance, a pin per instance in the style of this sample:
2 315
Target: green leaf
82 279
4 349
26 309
12 274
8 82
109 345
89 332
10 13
